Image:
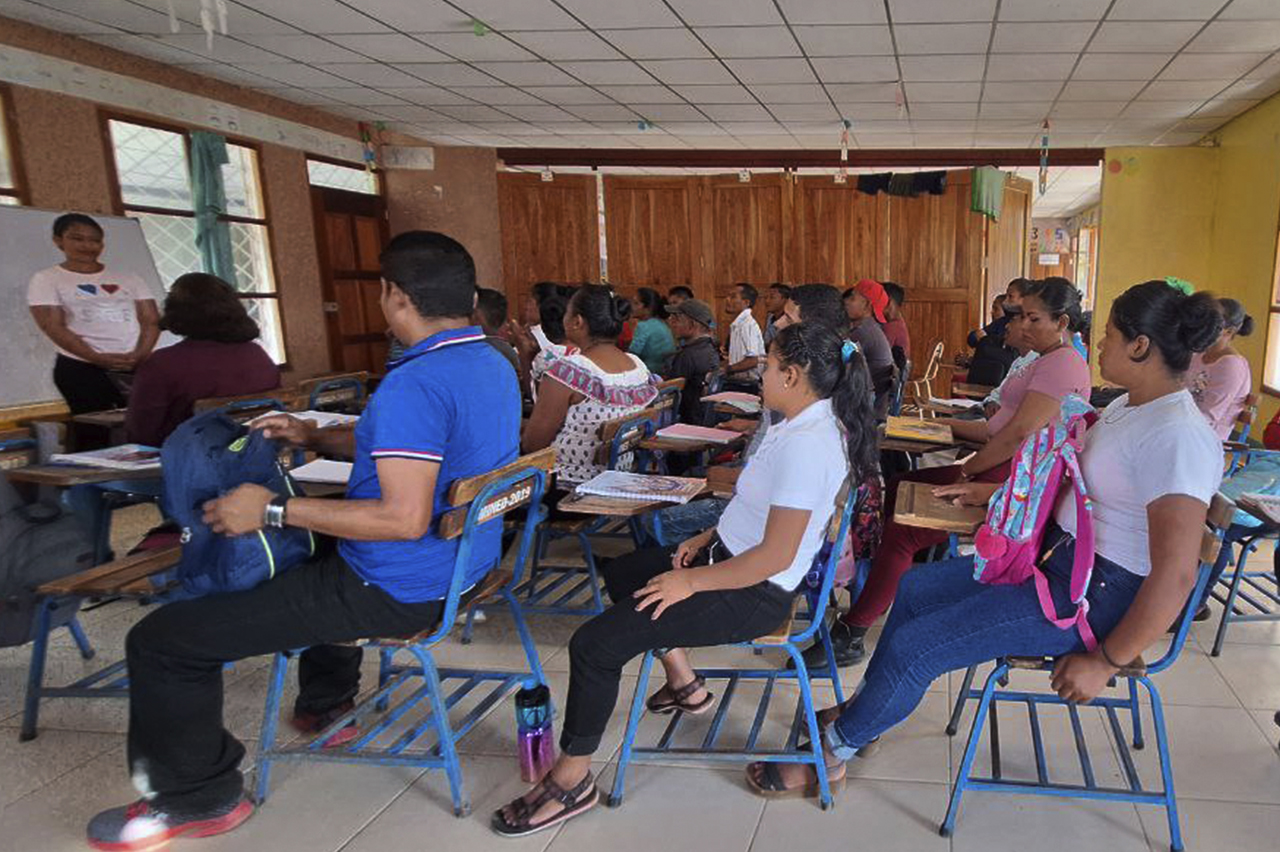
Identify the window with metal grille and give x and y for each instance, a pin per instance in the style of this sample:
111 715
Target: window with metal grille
338 176
10 190
153 185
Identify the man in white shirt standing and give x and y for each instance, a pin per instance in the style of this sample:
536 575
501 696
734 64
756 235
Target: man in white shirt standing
101 320
746 343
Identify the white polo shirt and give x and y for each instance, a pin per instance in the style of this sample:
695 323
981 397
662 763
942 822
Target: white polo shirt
800 464
746 340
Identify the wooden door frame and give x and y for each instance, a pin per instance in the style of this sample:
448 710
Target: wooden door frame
376 205
691 187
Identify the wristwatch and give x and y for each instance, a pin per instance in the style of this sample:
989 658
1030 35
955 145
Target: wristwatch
273 513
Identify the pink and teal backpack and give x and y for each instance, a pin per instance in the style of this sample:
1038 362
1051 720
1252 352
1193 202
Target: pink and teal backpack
1009 542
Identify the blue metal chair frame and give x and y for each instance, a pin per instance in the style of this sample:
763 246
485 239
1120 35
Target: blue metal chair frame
990 696
377 744
1239 588
110 682
806 715
900 389
336 384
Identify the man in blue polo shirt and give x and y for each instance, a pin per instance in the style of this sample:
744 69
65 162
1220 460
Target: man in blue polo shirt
449 408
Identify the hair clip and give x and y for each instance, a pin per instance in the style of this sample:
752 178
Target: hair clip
1180 285
847 349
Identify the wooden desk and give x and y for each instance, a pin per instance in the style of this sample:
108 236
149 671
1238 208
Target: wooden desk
591 504
669 445
917 507
111 419
970 391
66 475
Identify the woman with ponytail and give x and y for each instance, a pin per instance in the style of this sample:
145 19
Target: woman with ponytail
1151 464
732 583
1219 378
598 382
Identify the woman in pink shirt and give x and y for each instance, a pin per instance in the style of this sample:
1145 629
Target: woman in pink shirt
1028 401
1219 379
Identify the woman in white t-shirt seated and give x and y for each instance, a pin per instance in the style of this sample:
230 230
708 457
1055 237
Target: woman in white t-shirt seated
732 583
100 319
1151 464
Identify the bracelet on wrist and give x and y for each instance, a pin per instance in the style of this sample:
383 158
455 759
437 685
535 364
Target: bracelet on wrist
1102 646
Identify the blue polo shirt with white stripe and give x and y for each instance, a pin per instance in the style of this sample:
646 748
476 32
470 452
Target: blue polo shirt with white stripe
450 400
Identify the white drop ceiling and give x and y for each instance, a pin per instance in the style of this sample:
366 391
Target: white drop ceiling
729 74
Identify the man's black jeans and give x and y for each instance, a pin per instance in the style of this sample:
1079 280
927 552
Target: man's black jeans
178 748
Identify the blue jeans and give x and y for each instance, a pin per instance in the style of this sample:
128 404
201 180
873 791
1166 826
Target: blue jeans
944 619
673 525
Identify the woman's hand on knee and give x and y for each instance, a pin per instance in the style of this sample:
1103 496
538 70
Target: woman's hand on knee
665 590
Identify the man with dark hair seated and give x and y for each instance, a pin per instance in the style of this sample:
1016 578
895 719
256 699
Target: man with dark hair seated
491 315
448 409
697 356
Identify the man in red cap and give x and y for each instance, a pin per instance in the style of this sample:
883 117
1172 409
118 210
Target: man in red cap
865 304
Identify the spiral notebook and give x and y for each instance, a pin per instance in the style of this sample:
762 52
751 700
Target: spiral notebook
641 486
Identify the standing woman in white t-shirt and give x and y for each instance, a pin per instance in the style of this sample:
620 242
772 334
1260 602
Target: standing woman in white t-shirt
1151 464
102 321
732 583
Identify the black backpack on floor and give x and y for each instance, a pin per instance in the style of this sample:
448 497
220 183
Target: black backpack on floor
39 542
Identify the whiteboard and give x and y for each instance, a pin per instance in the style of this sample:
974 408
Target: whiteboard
26 247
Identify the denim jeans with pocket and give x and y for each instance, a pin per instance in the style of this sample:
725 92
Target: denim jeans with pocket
944 619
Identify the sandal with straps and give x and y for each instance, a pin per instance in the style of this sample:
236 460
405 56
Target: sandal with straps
676 699
579 800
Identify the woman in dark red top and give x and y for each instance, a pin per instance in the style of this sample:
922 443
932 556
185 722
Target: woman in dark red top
217 357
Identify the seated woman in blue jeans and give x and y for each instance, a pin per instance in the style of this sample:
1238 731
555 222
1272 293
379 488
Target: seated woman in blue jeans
1151 464
733 582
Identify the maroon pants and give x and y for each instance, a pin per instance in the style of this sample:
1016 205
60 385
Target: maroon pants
900 543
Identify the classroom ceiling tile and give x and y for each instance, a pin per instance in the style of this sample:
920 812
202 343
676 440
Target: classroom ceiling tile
1013 109
691 71
390 47
753 128
1160 109
369 73
771 71
428 95
669 112
864 92
295 74
927 39
748 42
1253 10
857 112
1253 89
1053 10
567 95
909 11
408 112
1211 66
856 69
527 73
732 94
224 49
1088 109
1225 107
1101 90
559 45
533 112
603 112
631 14
1179 90
505 15
447 73
466 47
795 93
657 44
415 16
1164 10
1143 36
944 110
1062 37
711 13
735 112
833 11
1237 36
943 92
607 72
1036 90
304 48
476 112
654 94
805 112
1120 66
146 46
359 96
928 69
315 16
854 40
1030 66
130 17
54 18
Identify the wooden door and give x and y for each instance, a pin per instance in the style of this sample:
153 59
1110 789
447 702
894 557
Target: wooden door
550 231
744 235
652 232
936 248
351 229
841 235
1006 240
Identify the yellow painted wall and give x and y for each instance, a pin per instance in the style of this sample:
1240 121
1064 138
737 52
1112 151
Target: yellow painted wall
1209 215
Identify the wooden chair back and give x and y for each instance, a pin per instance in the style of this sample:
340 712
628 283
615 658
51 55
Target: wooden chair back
248 404
624 434
463 492
670 393
341 389
18 448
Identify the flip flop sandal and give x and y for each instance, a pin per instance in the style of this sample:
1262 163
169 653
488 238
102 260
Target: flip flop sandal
772 786
676 699
579 800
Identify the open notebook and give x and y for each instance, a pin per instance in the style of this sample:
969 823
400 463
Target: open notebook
911 429
641 486
123 457
747 403
325 471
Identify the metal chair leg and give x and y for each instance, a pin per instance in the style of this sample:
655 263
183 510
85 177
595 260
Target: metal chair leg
448 744
526 638
82 640
953 724
970 750
1166 765
825 800
1229 606
589 555
629 739
385 656
270 723
35 672
1135 709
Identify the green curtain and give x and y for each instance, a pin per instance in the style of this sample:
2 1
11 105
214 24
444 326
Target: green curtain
987 194
213 235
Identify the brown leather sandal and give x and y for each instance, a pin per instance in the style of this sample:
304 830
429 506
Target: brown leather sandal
579 800
676 699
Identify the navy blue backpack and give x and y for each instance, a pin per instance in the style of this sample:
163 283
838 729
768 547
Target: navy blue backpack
206 457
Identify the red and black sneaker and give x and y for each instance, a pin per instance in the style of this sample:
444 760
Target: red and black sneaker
314 723
140 826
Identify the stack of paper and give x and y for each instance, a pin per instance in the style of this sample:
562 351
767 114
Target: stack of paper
640 486
123 457
326 471
748 403
322 419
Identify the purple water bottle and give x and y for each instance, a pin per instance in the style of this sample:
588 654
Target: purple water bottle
534 735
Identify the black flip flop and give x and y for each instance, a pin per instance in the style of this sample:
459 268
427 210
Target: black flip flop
579 800
676 701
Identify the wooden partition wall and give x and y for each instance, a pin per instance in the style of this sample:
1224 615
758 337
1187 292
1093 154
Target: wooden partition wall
711 232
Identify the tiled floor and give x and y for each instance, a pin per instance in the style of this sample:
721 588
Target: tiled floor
1219 712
